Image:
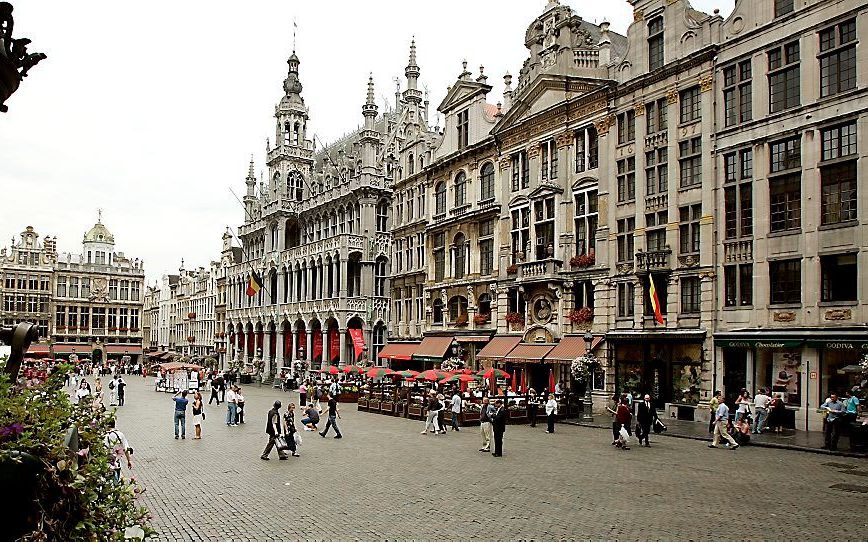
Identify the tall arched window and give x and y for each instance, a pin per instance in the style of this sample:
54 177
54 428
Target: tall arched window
484 304
334 220
486 181
440 199
382 217
460 189
379 340
380 272
342 219
437 307
460 256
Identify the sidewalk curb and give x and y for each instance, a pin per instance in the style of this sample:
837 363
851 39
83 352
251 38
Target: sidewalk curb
776 445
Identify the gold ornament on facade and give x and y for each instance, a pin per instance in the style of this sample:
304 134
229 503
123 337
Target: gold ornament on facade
787 316
705 83
504 164
839 314
672 97
688 261
533 151
638 15
639 109
625 268
564 140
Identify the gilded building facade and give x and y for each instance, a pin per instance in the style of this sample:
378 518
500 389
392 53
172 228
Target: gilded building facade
27 269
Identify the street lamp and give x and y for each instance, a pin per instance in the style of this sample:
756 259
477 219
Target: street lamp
587 414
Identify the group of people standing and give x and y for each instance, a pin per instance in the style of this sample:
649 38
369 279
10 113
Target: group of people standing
621 408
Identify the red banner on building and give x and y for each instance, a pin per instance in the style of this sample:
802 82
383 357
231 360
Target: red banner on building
358 341
334 344
317 346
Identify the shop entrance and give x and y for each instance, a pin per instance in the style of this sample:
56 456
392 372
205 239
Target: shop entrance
734 374
670 372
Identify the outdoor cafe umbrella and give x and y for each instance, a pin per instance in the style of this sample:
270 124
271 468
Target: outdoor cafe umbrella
332 370
433 375
459 378
377 372
514 379
494 373
353 369
408 373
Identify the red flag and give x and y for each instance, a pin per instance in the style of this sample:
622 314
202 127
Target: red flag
524 380
514 379
334 344
358 341
551 380
317 345
655 301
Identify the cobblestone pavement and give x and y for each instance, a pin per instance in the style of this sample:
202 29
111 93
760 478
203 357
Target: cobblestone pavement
384 480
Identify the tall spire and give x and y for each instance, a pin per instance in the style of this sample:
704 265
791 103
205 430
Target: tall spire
369 136
412 94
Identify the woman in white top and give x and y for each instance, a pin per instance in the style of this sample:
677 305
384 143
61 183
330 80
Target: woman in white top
551 412
82 391
743 403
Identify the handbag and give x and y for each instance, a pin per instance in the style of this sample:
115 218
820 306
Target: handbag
297 439
280 443
659 427
623 433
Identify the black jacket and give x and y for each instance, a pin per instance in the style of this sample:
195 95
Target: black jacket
644 415
483 413
272 425
498 420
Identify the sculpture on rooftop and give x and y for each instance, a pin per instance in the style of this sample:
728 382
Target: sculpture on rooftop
15 61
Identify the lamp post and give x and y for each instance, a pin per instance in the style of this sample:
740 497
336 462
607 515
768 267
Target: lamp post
587 414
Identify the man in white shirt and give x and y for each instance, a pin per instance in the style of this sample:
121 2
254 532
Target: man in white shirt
456 410
113 391
231 407
761 404
118 447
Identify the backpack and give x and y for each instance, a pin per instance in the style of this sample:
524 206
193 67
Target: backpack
112 385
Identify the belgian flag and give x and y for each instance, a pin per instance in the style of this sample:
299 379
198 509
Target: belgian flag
254 284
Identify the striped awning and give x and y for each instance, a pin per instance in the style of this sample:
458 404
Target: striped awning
568 349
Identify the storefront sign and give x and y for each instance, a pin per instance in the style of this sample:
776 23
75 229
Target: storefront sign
813 375
841 345
765 345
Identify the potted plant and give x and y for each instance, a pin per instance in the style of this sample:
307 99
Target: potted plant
515 320
516 414
482 319
461 321
470 414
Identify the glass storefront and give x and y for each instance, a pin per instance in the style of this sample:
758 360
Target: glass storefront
670 372
839 371
780 370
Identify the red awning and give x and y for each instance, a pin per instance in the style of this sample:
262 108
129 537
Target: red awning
127 349
529 353
403 351
39 349
568 349
70 348
433 347
498 347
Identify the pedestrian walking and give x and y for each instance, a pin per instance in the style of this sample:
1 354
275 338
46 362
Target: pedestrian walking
334 414
721 418
835 411
121 389
119 448
272 429
646 415
761 403
97 397
335 389
431 423
485 424
551 412
456 409
712 408
198 415
498 427
113 391
290 430
180 413
215 388
239 402
317 395
623 416
532 406
231 409
612 408
852 405
441 413
302 395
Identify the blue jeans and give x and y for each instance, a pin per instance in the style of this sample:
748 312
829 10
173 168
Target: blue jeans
181 419
332 423
759 421
231 413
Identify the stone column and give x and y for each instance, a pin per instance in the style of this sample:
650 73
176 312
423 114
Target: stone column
281 346
309 350
342 278
325 347
342 338
266 353
293 355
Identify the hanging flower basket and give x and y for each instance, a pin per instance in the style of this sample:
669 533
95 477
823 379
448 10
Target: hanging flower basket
581 316
581 367
583 260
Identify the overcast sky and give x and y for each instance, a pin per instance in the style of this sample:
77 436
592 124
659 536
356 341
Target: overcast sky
151 110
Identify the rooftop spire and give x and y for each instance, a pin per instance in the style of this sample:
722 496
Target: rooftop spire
250 173
370 99
412 94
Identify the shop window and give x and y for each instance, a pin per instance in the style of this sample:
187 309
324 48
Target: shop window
780 370
838 371
839 277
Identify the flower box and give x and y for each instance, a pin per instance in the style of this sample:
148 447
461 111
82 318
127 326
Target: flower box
481 319
461 321
374 404
582 315
414 412
583 260
387 407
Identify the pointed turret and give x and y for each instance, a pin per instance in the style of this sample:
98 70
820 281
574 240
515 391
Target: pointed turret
250 195
369 137
412 95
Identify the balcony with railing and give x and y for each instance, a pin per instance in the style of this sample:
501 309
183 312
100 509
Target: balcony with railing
657 139
738 251
538 270
656 202
653 260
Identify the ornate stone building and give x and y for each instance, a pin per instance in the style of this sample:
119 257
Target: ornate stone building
318 234
98 300
195 325
26 271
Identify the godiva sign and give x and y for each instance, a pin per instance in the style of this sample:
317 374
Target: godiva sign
761 344
840 345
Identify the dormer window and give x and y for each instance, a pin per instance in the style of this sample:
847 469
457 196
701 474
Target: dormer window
655 43
463 128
